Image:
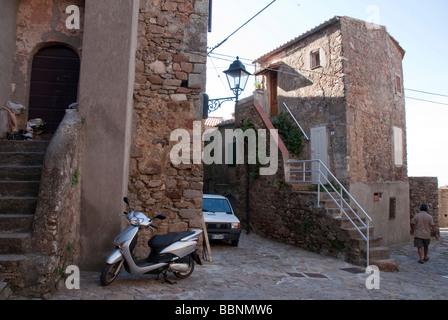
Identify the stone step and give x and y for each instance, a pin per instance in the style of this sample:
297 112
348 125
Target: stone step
386 265
14 243
24 145
354 233
347 223
324 196
5 291
330 204
337 213
374 241
299 186
21 158
378 253
20 173
16 223
18 205
19 188
9 264
298 178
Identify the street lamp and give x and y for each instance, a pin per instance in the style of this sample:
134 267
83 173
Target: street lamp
237 77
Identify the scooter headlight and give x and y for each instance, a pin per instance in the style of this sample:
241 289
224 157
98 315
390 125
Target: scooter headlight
133 219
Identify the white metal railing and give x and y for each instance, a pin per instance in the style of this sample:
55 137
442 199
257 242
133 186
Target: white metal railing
297 122
316 172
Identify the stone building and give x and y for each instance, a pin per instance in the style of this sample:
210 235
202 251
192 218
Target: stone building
425 190
443 207
136 68
343 82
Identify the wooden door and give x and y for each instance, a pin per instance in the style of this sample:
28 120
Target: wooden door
273 88
54 84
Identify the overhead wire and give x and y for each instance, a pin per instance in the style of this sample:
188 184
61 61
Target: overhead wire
219 76
426 92
424 100
222 42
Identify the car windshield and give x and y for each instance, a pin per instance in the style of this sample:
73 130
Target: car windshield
216 205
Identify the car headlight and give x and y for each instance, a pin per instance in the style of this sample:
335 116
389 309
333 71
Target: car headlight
235 225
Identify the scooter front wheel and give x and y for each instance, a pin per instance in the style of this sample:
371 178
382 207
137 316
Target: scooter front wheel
110 272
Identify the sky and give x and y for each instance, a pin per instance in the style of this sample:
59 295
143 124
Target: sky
421 28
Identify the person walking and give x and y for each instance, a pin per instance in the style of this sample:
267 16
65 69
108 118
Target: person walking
421 226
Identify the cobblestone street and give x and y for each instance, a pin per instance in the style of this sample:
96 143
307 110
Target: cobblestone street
259 269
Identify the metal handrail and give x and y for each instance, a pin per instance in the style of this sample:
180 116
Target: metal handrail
341 201
297 122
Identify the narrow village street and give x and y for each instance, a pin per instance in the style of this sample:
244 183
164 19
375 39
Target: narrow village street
260 269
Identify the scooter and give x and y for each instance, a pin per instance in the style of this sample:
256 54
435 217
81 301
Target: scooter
174 252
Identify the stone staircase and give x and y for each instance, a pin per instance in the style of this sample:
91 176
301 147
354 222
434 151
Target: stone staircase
20 172
379 255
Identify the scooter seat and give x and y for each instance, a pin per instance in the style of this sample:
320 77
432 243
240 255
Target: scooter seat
165 240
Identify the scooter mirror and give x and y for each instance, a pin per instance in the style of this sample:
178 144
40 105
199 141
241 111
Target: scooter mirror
126 200
160 217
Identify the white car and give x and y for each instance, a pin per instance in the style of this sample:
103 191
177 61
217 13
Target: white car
221 222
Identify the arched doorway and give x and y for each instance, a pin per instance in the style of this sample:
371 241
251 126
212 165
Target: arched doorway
54 84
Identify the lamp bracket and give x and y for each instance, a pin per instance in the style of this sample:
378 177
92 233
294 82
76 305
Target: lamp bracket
215 104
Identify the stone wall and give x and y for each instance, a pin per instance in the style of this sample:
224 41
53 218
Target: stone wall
170 79
424 190
8 13
56 233
372 59
375 114
443 207
39 23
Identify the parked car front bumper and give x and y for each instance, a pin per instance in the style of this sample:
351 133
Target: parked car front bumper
220 234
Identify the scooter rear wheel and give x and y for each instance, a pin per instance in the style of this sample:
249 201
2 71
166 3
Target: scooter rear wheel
183 275
110 273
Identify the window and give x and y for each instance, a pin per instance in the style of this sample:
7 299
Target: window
392 208
216 205
315 59
377 196
397 134
398 85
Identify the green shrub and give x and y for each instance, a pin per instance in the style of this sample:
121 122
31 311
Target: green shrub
291 134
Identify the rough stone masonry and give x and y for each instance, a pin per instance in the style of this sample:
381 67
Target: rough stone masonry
170 79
